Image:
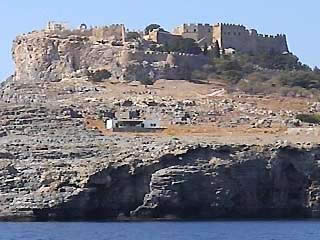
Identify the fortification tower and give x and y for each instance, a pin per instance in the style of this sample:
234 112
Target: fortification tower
201 33
241 39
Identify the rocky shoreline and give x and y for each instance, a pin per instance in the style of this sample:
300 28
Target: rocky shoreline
83 175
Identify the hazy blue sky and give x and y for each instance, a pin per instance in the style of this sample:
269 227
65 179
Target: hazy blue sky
298 19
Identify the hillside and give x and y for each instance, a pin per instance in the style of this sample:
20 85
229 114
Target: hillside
234 145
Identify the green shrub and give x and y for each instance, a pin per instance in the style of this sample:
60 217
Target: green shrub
151 27
184 45
309 118
99 75
133 36
232 76
200 75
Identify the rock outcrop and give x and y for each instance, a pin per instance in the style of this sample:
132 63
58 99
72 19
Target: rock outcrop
54 168
54 165
53 56
41 56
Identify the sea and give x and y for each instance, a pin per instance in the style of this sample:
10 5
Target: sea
215 230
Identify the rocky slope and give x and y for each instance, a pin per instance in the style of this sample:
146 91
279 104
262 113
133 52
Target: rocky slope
47 56
55 166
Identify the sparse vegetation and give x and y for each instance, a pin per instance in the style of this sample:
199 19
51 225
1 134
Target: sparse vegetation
99 75
151 27
185 45
283 74
133 36
138 73
309 118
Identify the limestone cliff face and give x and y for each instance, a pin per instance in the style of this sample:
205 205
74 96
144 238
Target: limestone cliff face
48 57
45 57
203 182
53 168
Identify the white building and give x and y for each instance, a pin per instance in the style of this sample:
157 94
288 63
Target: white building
129 125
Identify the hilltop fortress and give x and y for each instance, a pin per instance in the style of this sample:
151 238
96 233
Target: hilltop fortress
58 52
224 154
227 36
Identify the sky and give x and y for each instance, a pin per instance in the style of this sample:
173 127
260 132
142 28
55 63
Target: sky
297 19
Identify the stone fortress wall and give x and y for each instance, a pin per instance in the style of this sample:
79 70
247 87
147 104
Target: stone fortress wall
116 32
57 51
163 37
197 32
112 32
249 41
233 36
57 54
173 59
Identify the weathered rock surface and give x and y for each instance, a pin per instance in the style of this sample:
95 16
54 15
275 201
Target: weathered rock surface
45 56
53 167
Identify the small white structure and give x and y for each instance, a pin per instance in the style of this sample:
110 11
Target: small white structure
229 51
130 125
56 26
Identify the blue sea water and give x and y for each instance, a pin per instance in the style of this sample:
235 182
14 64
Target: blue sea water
219 230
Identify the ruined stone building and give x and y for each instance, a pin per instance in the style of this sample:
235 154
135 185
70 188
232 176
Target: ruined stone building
200 33
162 37
56 26
233 36
113 32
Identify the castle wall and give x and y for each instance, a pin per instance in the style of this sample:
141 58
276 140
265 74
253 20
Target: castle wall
276 44
164 37
247 41
70 32
237 37
112 32
196 32
181 59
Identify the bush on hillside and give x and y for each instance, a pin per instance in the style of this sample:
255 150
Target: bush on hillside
309 118
151 27
264 74
184 45
99 75
133 36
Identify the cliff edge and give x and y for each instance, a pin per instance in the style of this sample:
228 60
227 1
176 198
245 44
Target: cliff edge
222 155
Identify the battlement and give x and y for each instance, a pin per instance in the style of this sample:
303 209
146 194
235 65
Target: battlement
230 25
192 28
179 59
240 38
196 25
272 37
112 26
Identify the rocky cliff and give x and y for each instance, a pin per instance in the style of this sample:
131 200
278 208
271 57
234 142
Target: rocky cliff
41 56
52 57
53 167
56 165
